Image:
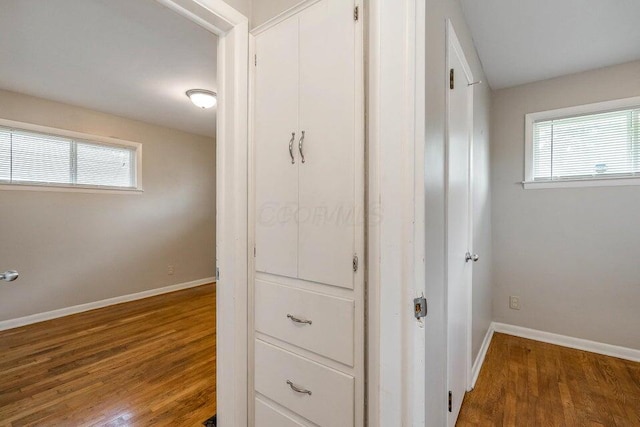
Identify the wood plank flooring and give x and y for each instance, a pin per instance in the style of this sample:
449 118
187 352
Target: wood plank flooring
144 363
530 383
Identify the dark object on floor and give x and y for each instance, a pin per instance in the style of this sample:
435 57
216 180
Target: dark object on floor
211 422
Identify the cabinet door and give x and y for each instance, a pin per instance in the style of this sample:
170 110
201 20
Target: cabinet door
275 120
328 214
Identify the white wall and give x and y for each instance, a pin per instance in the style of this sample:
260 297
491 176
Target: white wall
242 6
437 13
570 254
73 248
263 10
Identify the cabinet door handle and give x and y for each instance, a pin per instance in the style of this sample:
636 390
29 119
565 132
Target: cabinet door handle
293 137
9 275
301 146
298 389
295 319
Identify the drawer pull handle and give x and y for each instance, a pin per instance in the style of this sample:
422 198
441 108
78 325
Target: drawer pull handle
295 319
297 389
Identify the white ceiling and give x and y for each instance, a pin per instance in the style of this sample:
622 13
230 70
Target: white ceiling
522 41
129 58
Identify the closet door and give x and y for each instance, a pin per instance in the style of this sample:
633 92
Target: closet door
276 154
327 195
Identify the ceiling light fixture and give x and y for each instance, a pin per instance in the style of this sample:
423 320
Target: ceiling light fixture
202 98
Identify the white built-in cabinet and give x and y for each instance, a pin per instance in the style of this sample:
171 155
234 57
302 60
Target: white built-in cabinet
307 299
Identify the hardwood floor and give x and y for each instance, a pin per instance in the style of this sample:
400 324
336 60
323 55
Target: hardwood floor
529 383
144 363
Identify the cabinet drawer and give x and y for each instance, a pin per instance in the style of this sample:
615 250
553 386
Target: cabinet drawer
331 398
268 416
330 332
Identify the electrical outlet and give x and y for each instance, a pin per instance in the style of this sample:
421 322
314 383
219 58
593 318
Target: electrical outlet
514 303
170 270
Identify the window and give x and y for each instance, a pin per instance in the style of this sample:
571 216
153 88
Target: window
33 155
596 144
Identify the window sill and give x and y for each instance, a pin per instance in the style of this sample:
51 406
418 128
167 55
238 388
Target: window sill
577 183
71 189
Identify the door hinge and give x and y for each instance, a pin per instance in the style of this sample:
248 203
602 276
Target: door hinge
451 79
254 251
217 273
450 401
355 263
420 307
255 60
356 13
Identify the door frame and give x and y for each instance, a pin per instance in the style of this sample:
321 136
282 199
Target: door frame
396 107
232 29
454 43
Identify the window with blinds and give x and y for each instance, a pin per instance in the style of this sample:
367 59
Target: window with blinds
34 158
587 143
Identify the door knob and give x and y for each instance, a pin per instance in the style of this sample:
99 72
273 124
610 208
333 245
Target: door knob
471 257
9 276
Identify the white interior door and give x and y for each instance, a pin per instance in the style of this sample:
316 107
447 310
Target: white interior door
328 216
277 160
458 227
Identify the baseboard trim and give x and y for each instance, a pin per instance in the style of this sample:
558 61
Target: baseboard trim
41 317
571 342
477 364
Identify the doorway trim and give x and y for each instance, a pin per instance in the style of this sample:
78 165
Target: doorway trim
453 42
232 29
396 81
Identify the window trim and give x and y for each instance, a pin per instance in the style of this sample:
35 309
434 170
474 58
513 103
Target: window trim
80 137
561 113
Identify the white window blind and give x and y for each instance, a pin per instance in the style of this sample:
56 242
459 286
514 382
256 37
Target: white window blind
105 165
589 146
28 157
40 158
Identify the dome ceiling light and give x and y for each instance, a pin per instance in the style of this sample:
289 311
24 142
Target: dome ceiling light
202 98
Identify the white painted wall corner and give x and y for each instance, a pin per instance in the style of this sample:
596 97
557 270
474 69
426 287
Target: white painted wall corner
54 314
